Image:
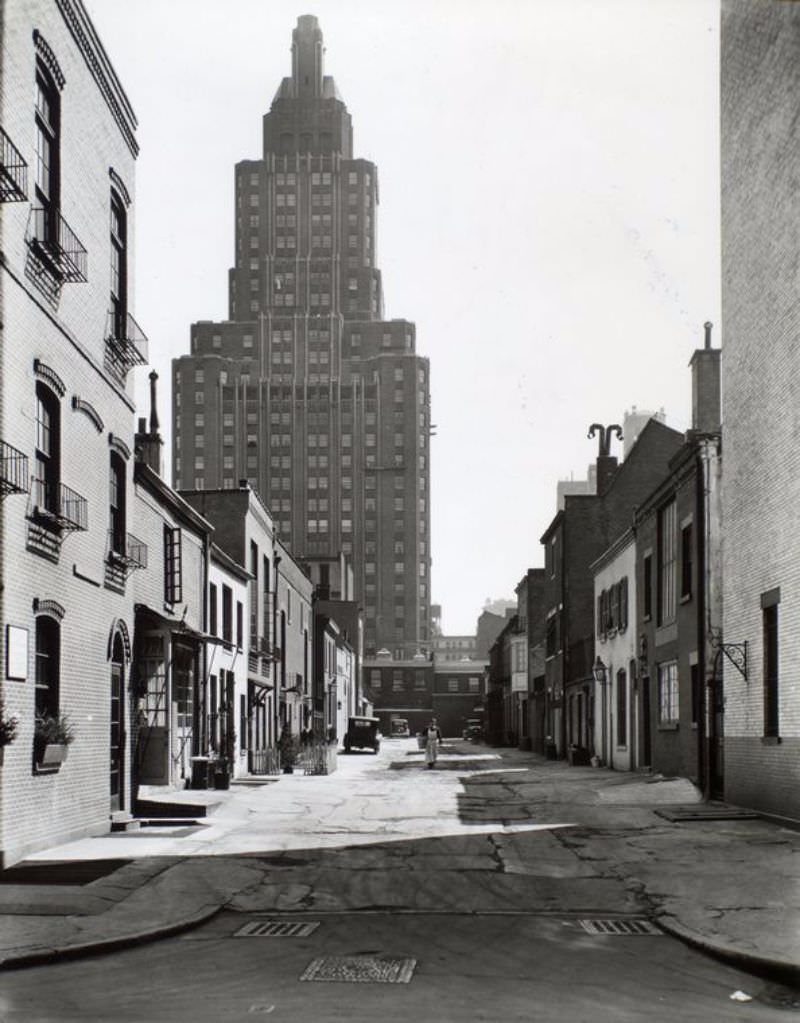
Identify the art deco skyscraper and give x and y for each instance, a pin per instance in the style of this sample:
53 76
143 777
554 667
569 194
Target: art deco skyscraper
306 391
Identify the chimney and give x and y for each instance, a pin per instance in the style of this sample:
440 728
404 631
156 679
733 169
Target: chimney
148 442
606 462
606 467
706 404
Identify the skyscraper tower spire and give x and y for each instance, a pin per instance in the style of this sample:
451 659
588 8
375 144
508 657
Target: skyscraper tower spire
306 390
307 57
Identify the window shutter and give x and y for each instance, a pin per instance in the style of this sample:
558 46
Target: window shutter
624 603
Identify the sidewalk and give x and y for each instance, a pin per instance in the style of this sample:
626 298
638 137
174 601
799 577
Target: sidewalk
729 886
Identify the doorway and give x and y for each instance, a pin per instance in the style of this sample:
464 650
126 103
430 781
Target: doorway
117 728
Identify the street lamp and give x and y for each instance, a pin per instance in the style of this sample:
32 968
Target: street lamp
600 672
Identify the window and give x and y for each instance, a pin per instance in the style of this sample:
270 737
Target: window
622 708
173 588
666 563
647 588
48 668
212 609
769 628
686 562
48 448
48 176
551 636
452 685
239 624
119 267
227 614
116 504
668 693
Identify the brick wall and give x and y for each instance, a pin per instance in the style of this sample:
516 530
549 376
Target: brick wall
64 327
760 79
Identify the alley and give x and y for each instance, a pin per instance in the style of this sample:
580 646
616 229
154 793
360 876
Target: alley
486 885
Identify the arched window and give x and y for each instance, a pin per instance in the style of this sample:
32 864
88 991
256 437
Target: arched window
48 448
116 504
48 665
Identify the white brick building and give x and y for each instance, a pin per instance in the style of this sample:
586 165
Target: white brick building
67 344
760 63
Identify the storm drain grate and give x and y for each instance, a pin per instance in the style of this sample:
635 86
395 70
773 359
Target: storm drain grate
276 929
640 926
360 970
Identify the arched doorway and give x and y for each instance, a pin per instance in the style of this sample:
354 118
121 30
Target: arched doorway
116 767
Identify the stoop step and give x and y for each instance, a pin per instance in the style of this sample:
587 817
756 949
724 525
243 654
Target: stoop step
121 820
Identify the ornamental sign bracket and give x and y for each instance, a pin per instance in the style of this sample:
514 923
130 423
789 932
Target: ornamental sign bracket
736 654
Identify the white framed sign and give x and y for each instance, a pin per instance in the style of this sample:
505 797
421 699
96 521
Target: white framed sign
16 652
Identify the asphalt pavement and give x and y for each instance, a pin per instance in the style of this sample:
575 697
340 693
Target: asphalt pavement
505 831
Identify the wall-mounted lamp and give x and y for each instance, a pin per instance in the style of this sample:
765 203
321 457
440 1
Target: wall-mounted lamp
599 671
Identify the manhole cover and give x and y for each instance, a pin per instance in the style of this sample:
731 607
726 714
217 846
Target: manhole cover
276 929
361 970
619 927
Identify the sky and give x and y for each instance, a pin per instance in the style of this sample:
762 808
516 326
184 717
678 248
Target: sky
549 219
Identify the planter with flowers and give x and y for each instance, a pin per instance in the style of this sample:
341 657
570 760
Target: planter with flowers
52 735
8 730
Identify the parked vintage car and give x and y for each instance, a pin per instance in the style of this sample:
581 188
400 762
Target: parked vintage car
473 729
362 733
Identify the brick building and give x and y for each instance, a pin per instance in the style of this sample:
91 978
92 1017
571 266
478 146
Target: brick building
279 620
531 615
679 611
575 538
499 719
168 720
306 390
617 739
457 694
400 688
67 150
760 81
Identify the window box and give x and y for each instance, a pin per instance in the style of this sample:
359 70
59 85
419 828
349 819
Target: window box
52 736
49 757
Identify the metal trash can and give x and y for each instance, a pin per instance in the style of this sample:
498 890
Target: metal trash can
200 767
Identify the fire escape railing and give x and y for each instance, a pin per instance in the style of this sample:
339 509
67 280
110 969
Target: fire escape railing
126 343
13 470
54 241
13 171
60 504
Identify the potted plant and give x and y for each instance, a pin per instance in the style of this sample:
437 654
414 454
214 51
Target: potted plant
52 735
289 751
8 730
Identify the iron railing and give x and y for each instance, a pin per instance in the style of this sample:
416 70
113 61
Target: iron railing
60 504
54 241
126 343
13 470
13 172
265 761
133 556
318 758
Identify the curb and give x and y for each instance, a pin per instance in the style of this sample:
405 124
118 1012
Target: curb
102 945
763 966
